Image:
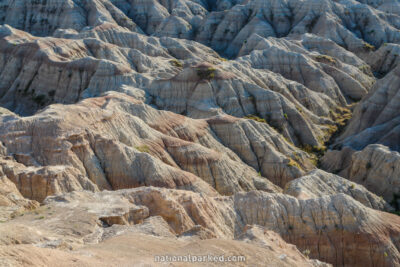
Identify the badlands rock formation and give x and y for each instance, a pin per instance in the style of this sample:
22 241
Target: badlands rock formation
325 226
98 144
319 183
376 117
267 129
367 151
376 167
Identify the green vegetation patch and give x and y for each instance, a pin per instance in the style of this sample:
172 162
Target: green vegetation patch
326 58
369 47
176 63
293 163
143 148
206 74
255 118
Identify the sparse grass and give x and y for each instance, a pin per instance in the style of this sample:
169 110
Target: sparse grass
143 148
296 156
306 253
287 140
331 129
293 163
313 149
299 109
39 218
286 116
222 59
176 63
319 149
365 69
340 116
353 186
255 118
206 74
326 58
315 152
259 174
127 20
368 47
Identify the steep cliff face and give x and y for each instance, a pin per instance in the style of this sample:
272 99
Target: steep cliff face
376 167
367 151
376 118
336 229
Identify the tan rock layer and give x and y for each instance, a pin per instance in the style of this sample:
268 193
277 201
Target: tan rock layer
336 229
115 142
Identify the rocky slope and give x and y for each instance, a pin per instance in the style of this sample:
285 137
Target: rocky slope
367 151
319 183
376 167
199 86
325 226
130 129
376 117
